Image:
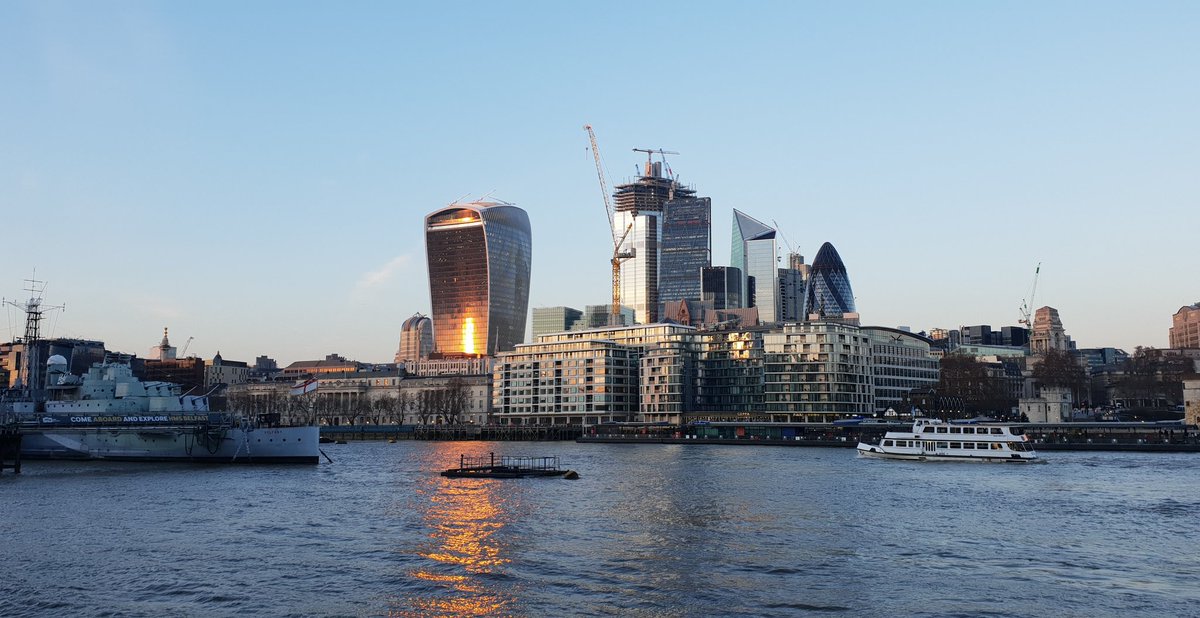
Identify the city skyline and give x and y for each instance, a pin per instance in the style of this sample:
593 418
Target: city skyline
262 191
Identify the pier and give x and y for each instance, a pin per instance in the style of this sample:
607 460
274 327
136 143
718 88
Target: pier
10 449
490 433
1093 436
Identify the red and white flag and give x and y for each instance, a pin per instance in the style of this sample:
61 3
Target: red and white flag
306 386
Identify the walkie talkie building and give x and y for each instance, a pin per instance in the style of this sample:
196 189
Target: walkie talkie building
479 262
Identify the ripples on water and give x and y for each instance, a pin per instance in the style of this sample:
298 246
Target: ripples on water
647 530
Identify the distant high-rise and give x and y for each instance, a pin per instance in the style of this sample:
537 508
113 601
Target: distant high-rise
753 251
598 316
829 292
479 262
554 320
791 295
721 286
640 209
686 248
416 339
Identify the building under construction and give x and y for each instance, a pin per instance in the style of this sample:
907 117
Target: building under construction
638 219
650 192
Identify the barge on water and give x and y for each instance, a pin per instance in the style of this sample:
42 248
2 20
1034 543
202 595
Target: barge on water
509 467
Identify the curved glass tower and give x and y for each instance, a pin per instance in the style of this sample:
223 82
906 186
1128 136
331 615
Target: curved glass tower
479 260
829 290
416 339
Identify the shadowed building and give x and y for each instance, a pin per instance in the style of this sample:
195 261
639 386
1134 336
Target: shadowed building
554 320
479 262
686 248
828 292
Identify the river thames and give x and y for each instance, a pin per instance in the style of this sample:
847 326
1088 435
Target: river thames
649 530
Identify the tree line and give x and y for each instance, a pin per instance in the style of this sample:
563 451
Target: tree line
429 406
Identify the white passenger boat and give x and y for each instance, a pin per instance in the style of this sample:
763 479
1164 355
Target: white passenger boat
934 440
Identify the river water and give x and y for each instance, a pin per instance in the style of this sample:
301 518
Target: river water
649 530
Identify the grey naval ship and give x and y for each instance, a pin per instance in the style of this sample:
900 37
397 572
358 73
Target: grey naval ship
108 413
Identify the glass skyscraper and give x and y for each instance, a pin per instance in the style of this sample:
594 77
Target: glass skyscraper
753 251
479 262
722 286
685 249
640 209
829 292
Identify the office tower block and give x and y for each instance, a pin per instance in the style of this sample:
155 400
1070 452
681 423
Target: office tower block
639 219
722 286
686 248
828 292
554 320
753 251
479 262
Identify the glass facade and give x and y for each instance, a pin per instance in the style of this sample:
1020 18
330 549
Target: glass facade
479 258
554 319
761 266
829 292
685 249
639 274
722 286
753 252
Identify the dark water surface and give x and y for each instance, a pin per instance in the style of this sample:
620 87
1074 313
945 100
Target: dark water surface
663 530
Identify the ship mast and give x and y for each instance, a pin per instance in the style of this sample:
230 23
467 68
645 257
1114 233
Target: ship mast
29 376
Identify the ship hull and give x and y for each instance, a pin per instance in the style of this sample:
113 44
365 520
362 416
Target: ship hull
182 444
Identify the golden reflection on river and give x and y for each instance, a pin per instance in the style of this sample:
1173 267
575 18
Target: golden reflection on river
463 517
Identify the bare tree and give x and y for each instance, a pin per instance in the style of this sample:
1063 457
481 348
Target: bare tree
403 401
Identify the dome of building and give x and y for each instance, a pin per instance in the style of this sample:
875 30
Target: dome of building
57 359
829 290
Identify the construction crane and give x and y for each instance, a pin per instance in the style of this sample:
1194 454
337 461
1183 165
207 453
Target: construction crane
618 256
183 354
650 152
1027 307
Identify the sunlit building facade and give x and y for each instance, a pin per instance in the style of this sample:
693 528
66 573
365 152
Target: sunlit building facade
817 372
479 257
1185 327
828 291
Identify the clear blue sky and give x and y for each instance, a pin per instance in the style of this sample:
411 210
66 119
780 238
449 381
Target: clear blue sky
255 174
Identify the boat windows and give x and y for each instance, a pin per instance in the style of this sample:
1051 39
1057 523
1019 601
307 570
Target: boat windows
956 445
996 431
943 445
956 430
968 430
928 430
996 446
887 442
941 430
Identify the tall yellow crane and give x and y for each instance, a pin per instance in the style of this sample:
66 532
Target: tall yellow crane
618 256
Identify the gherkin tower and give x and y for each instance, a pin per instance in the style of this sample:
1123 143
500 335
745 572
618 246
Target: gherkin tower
829 292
